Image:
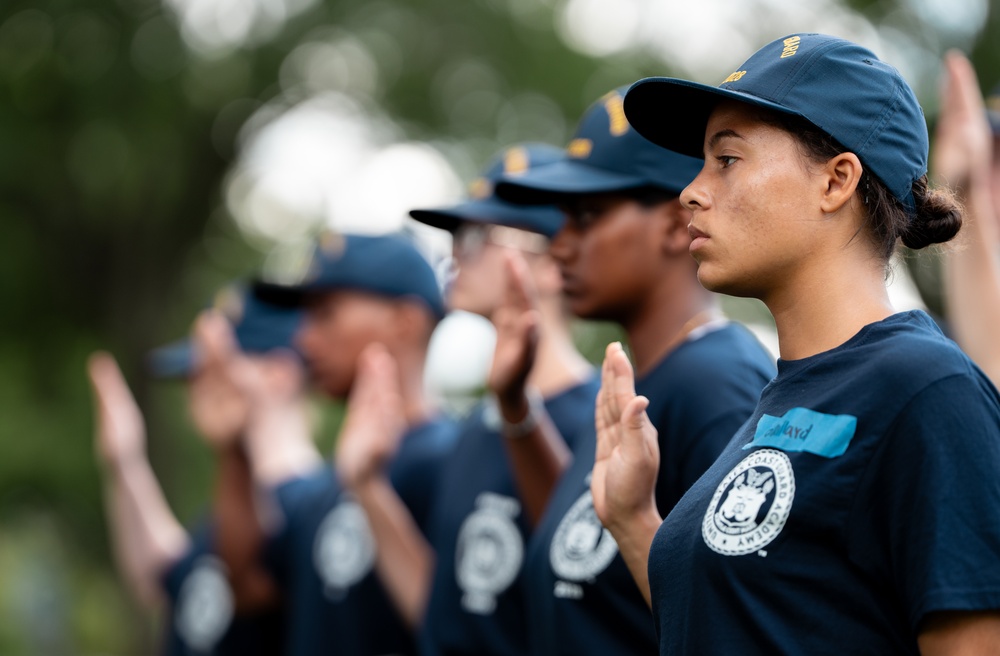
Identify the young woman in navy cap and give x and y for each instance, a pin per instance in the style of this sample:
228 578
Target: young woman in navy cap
858 509
623 256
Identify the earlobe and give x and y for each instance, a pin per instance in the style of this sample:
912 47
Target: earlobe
842 175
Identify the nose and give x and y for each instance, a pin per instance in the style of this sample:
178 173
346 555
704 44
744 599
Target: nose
694 196
561 245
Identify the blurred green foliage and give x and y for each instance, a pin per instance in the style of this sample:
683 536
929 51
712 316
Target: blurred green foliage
115 142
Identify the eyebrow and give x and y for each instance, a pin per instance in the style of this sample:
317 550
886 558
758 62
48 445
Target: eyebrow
719 136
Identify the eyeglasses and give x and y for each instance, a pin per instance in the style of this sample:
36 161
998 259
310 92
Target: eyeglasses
471 238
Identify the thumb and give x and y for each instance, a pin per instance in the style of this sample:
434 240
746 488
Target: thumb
637 429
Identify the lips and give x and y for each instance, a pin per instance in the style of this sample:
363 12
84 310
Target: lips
698 238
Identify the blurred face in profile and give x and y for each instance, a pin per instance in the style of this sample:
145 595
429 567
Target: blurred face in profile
479 251
338 325
609 252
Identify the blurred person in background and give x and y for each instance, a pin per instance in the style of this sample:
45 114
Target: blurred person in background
966 158
362 295
495 484
623 256
158 559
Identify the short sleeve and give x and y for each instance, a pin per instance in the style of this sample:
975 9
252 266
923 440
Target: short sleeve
278 545
927 513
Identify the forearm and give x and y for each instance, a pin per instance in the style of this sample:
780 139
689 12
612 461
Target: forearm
972 282
538 457
240 533
147 536
634 538
404 558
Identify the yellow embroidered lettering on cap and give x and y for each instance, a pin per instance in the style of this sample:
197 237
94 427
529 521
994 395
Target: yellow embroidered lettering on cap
480 188
734 76
617 123
579 148
515 161
791 46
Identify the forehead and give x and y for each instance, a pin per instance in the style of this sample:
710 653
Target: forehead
347 301
736 121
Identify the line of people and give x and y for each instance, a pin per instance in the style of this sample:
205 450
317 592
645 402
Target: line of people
691 497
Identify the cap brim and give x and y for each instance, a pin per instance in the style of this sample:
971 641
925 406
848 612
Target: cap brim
288 296
487 211
172 361
674 113
552 183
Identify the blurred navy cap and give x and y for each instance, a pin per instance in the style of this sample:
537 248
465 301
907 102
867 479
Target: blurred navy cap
993 109
258 326
838 86
605 155
385 265
484 206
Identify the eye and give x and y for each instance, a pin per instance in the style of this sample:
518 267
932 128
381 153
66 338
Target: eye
726 160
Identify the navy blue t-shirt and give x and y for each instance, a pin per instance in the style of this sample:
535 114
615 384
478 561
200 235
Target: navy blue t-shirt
201 618
862 494
581 598
324 556
478 532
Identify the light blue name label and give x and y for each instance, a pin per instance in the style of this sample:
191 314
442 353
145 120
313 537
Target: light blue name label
801 429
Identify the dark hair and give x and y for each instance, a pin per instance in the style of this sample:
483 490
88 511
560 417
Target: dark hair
649 196
935 219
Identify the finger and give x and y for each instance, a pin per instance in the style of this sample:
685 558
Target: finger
624 379
213 339
963 85
107 380
520 288
612 354
636 431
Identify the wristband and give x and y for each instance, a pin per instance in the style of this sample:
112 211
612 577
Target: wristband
517 430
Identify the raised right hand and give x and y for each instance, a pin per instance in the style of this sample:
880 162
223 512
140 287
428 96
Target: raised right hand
627 461
120 428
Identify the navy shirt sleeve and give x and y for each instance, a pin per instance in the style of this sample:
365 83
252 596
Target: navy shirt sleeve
928 509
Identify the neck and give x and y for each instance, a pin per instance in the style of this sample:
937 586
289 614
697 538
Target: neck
417 407
558 365
665 315
813 315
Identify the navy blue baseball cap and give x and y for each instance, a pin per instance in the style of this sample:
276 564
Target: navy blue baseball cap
384 265
484 206
993 109
838 86
605 155
259 327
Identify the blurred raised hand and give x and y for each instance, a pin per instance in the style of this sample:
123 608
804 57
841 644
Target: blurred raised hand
963 139
517 326
223 387
375 422
120 428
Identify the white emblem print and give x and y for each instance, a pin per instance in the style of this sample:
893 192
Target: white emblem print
581 547
344 550
489 552
756 498
204 605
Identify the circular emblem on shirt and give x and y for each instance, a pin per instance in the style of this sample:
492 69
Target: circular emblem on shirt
204 605
344 551
581 547
751 504
489 552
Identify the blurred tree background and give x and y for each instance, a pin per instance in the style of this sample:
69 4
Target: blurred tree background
154 149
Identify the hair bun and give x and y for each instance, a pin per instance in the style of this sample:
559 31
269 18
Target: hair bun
938 217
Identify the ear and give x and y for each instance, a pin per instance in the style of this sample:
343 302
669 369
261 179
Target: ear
674 226
840 178
284 370
411 324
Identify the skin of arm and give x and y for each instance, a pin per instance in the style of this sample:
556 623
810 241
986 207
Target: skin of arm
626 464
539 456
369 438
223 391
962 159
960 634
146 535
